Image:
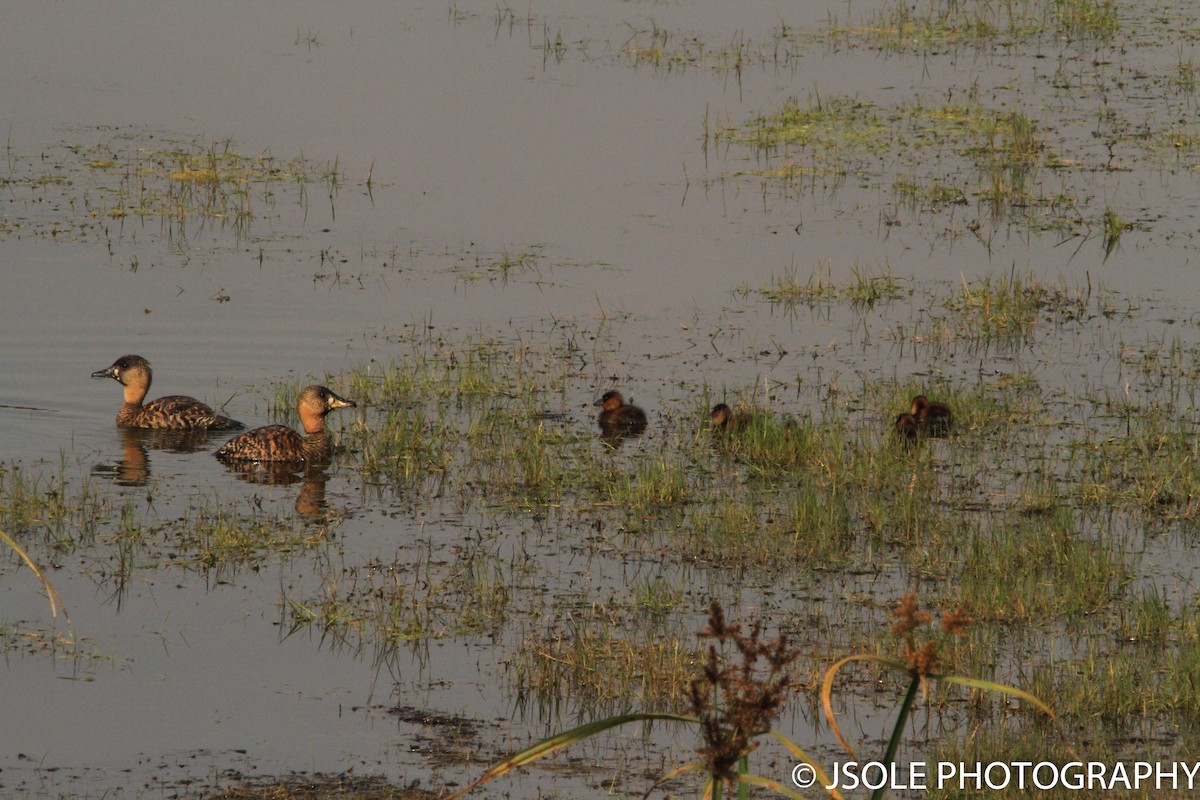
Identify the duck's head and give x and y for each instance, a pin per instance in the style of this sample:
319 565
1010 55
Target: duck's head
720 415
610 400
126 370
132 372
907 425
315 402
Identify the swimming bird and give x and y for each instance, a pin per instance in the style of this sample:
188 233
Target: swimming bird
618 417
726 420
279 443
907 426
174 412
924 418
935 417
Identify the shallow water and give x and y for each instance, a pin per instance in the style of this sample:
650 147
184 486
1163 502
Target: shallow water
482 146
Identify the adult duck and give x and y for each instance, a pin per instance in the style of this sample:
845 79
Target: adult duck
174 412
279 443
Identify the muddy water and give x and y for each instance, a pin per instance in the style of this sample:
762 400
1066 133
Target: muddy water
486 136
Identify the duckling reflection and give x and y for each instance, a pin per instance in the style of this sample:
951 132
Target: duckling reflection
619 420
133 467
173 412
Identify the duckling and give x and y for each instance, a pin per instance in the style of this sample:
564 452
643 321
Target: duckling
907 426
617 416
175 412
936 417
725 420
279 443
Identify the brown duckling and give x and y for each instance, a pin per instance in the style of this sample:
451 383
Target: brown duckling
907 426
726 420
279 443
175 412
935 417
617 416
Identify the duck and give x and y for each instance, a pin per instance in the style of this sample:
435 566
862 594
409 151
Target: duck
617 416
726 420
923 418
174 412
907 426
936 417
280 444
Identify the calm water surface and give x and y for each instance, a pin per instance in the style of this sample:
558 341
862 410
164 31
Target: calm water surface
481 144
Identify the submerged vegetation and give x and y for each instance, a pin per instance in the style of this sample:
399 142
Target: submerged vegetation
1012 164
926 27
186 186
901 26
992 157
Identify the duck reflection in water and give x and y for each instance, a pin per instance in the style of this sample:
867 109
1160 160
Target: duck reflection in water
310 502
619 420
133 467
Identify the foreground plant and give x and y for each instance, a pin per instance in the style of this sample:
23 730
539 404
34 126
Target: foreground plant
732 704
735 704
922 663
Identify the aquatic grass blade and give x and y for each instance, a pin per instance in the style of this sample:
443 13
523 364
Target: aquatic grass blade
801 754
555 743
52 594
893 745
827 690
1020 694
773 785
675 773
908 702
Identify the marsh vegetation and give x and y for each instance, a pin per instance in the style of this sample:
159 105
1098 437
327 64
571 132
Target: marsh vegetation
498 570
1049 515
